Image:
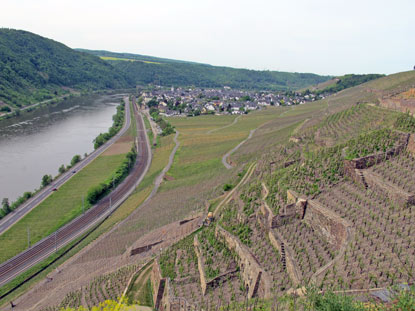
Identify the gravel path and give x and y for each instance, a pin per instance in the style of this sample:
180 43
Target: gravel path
225 157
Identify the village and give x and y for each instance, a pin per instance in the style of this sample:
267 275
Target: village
196 101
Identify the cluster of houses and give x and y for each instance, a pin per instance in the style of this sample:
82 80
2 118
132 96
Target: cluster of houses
196 101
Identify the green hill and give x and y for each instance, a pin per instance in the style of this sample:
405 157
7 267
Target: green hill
340 83
33 68
146 69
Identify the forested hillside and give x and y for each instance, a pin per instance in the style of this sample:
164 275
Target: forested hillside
167 72
33 68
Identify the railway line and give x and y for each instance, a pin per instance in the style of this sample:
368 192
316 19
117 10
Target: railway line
21 211
44 248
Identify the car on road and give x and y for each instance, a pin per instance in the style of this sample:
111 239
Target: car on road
74 171
55 189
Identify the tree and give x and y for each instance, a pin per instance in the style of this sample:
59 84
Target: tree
62 169
75 159
6 205
46 180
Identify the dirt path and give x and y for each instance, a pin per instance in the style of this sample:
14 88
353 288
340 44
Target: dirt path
229 195
160 177
226 156
152 125
224 127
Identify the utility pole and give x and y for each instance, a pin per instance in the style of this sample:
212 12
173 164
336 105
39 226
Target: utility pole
28 237
110 202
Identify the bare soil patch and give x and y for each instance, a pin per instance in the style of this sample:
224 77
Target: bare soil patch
123 145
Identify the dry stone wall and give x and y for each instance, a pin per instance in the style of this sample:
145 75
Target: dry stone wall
329 225
411 144
396 194
251 271
158 283
402 105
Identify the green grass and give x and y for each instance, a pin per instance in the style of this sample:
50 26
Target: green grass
149 130
59 208
199 156
141 290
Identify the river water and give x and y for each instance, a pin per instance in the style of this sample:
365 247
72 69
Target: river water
37 143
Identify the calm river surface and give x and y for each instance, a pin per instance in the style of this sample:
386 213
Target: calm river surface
37 143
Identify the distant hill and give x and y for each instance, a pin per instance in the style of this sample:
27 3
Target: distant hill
34 68
340 83
147 69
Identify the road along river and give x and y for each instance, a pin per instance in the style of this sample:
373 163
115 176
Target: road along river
37 143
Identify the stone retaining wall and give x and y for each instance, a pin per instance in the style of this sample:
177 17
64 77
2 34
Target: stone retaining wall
251 271
372 159
292 270
395 193
328 224
402 105
411 144
158 283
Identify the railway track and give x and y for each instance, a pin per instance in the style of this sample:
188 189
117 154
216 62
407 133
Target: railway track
44 248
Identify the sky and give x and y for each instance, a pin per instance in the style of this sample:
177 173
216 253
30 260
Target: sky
325 37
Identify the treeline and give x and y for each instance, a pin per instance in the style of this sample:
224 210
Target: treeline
98 192
166 127
118 121
167 72
348 81
34 68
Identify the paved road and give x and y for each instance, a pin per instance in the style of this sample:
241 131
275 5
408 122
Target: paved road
81 224
17 214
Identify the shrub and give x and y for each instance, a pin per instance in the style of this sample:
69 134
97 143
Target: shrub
227 187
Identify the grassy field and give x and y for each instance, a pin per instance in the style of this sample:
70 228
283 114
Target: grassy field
63 205
199 156
126 59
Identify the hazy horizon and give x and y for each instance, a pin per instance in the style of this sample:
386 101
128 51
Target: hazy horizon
320 37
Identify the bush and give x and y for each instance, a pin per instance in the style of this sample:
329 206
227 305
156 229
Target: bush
75 159
227 187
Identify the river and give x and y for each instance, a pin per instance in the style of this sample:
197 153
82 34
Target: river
37 143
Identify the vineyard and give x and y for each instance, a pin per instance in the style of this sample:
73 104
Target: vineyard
322 209
398 171
310 250
378 249
383 250
105 287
